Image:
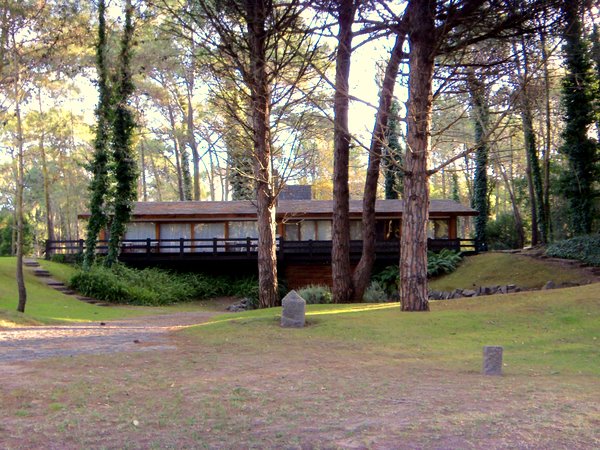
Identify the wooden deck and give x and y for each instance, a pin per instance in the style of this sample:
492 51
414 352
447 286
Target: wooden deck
150 251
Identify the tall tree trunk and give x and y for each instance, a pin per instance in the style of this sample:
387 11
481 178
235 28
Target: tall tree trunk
534 173
191 137
257 11
515 207
480 181
548 146
413 247
362 273
177 151
340 252
100 180
122 145
47 205
22 291
144 186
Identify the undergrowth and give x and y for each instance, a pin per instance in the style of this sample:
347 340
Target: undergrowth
153 287
582 248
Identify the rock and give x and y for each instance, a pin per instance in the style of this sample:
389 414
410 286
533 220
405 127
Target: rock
293 310
503 289
469 293
492 360
549 285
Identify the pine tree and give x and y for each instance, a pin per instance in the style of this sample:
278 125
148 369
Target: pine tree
578 96
480 117
393 155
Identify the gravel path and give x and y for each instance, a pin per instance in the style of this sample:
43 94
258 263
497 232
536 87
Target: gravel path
138 334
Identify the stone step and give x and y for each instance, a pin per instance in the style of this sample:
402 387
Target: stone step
41 273
55 284
31 264
65 290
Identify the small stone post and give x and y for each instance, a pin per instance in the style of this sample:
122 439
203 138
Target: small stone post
492 360
293 311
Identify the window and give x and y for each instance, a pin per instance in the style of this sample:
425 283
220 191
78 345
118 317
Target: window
243 229
307 230
138 231
292 231
438 229
209 230
170 233
355 230
323 230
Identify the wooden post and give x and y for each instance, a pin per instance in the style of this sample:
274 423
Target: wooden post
214 246
81 242
148 246
181 246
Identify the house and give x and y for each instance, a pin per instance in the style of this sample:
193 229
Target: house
222 236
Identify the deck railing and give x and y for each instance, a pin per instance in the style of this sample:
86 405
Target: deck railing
239 248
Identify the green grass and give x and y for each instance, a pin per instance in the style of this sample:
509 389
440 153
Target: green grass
545 332
46 305
490 269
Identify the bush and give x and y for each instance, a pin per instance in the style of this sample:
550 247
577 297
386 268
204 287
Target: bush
375 293
59 258
582 248
502 233
152 286
315 294
388 279
446 261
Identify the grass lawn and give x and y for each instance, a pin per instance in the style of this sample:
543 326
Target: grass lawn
490 269
358 376
46 305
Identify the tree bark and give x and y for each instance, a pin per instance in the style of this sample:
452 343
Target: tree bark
46 178
257 11
413 247
340 252
362 273
22 291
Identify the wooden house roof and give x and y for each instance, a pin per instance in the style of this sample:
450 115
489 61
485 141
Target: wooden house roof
206 210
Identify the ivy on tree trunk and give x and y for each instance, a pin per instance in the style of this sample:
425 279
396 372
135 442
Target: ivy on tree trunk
578 97
99 165
122 147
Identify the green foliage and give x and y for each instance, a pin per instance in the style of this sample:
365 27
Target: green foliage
446 261
502 233
59 258
99 184
123 126
375 293
153 286
480 118
315 294
392 155
582 248
580 90
388 279
7 227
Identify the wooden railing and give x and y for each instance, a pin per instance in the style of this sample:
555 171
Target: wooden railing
237 248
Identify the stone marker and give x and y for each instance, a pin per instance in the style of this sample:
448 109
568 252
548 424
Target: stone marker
293 311
492 360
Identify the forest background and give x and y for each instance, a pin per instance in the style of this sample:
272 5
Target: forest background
498 119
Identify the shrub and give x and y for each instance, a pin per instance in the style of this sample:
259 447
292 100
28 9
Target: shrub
446 261
582 248
315 294
375 293
59 258
152 286
388 279
502 233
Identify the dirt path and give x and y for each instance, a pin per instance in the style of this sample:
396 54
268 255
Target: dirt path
131 335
